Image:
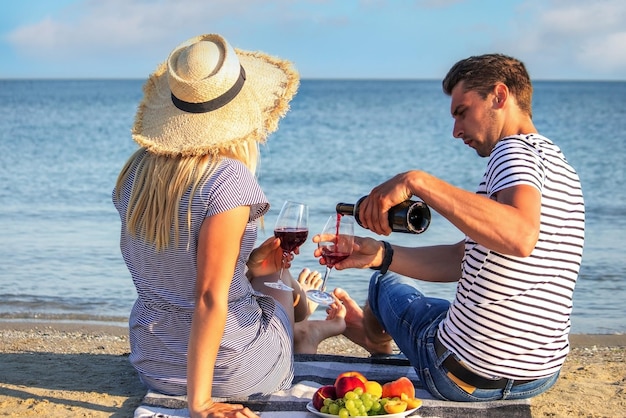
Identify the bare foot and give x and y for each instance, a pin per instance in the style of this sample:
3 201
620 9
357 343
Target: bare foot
309 334
310 280
362 328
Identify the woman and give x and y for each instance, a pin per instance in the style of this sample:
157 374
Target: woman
203 323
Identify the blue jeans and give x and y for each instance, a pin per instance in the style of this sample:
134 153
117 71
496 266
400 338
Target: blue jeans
412 319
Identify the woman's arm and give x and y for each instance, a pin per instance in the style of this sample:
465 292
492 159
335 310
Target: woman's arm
218 248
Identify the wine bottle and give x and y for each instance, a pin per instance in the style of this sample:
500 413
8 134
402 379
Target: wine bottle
410 216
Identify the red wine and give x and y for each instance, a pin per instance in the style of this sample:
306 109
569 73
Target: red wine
337 225
333 257
412 216
291 238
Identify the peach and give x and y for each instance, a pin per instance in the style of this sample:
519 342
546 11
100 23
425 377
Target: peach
395 406
346 384
399 386
411 403
325 392
352 374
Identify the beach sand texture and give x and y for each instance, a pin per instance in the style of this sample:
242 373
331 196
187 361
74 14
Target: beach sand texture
82 370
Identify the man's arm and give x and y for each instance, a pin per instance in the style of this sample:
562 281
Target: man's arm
439 263
507 223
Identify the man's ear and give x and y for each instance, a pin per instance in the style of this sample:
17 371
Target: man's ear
501 93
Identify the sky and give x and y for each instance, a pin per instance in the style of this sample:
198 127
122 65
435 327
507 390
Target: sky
341 39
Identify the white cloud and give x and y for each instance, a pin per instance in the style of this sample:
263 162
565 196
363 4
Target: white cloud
556 38
437 4
122 25
571 33
608 55
584 17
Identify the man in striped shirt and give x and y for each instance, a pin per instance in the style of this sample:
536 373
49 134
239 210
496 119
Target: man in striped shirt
505 334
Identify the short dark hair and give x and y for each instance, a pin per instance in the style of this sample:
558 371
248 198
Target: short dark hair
481 73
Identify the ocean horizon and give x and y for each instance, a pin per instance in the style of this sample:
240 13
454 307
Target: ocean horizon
65 140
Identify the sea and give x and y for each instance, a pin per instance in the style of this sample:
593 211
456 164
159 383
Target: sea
63 143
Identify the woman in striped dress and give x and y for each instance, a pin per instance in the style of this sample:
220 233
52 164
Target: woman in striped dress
203 324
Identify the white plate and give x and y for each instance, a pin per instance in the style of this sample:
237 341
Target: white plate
312 409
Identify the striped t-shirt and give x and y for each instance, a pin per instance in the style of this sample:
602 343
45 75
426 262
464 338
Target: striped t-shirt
511 315
255 354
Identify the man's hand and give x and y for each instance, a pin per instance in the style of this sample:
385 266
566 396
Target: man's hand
366 252
374 209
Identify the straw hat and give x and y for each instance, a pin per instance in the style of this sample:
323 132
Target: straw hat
208 97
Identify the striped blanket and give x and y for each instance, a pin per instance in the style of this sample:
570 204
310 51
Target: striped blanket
313 371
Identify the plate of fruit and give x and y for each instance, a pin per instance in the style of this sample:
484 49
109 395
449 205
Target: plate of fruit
353 395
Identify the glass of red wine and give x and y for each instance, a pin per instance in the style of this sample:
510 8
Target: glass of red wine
336 241
292 227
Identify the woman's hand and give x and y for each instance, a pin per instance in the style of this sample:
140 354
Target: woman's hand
223 410
266 259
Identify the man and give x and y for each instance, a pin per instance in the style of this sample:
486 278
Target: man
505 335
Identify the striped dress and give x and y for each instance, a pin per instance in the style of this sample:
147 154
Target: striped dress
511 315
256 349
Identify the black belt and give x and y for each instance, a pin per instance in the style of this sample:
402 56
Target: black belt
467 376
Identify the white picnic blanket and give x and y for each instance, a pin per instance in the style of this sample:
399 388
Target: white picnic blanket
313 371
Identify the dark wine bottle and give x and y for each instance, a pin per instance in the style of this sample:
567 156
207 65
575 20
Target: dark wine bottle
410 216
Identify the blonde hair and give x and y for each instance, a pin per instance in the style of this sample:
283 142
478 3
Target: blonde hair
159 184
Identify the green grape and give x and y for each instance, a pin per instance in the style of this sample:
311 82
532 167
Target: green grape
343 413
358 391
350 395
367 403
376 406
324 409
354 412
333 408
328 401
350 404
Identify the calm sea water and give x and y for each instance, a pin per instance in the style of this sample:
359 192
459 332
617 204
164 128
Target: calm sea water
64 142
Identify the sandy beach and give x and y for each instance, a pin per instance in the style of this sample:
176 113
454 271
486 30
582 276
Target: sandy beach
57 369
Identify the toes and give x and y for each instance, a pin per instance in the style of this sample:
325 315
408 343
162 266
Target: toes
315 279
335 310
304 274
343 296
310 279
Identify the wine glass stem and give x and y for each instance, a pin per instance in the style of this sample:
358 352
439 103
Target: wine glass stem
282 266
326 274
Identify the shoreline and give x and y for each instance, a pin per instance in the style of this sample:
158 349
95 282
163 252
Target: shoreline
108 328
73 368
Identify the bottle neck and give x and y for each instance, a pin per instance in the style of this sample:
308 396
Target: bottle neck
345 209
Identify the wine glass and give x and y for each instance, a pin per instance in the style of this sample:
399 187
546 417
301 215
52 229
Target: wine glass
336 241
292 227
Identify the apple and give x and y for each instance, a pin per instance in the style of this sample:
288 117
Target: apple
345 384
353 374
325 392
